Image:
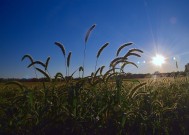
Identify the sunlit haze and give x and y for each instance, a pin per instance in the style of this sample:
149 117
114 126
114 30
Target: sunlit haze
158 60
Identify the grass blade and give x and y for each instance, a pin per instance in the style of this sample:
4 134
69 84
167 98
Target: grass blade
176 65
121 47
37 62
116 59
134 90
16 83
135 50
101 69
27 56
88 32
96 72
128 62
68 59
101 49
131 54
45 74
61 47
47 62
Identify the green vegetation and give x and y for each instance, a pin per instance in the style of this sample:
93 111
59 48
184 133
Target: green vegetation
102 103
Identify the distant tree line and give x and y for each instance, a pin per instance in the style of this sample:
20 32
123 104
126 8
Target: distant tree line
124 76
187 68
157 74
23 79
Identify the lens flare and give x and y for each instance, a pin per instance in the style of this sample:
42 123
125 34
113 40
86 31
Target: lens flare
158 60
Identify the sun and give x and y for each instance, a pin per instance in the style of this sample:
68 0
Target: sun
158 60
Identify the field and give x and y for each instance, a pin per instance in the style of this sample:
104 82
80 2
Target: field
102 103
158 106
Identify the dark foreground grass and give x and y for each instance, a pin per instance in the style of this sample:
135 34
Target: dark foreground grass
157 107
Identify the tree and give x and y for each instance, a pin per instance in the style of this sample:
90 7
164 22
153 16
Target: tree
157 73
187 67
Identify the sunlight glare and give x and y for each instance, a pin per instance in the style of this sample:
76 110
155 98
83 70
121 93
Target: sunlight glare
158 60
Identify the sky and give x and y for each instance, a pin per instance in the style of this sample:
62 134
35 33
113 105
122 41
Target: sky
32 27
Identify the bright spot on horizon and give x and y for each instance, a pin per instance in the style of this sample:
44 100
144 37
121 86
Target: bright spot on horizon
158 60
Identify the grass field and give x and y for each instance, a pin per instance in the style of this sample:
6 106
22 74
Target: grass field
158 106
100 104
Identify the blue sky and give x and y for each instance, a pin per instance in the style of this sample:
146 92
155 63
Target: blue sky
32 27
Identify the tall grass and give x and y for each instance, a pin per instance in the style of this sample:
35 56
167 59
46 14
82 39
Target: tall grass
86 39
99 52
102 103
